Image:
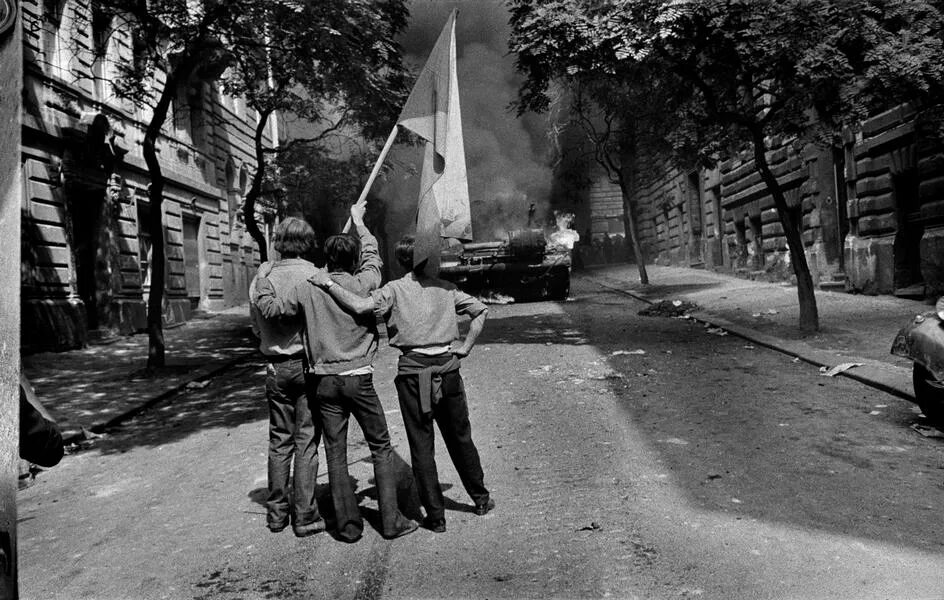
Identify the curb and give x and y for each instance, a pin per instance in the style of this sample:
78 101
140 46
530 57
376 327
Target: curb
201 374
882 376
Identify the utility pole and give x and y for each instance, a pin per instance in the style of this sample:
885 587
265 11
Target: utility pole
11 73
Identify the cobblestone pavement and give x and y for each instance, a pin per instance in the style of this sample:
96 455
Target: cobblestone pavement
631 457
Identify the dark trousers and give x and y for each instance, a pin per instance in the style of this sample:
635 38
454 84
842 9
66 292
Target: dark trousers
293 434
337 398
451 414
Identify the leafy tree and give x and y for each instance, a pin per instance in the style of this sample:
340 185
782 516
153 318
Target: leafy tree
275 49
332 63
174 42
746 73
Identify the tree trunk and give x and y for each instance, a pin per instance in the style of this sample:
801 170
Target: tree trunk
629 218
155 312
809 314
249 207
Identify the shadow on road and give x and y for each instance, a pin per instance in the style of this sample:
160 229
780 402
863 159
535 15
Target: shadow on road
232 399
745 431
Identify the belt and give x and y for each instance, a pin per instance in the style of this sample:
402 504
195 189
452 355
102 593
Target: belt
281 358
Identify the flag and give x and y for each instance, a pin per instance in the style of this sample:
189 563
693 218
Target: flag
432 113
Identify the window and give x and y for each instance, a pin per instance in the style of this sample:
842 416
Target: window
53 44
144 244
101 32
196 103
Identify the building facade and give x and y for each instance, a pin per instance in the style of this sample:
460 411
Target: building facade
872 212
85 245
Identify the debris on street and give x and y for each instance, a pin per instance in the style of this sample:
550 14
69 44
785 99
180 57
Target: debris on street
496 298
840 368
715 330
627 352
198 385
669 308
769 311
928 432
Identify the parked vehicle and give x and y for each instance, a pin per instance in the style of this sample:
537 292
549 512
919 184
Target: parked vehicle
922 341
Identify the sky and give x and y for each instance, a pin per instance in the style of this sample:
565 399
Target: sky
507 158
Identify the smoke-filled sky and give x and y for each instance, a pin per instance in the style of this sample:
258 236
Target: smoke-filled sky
506 156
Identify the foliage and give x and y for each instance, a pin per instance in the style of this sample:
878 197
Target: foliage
298 55
332 63
742 73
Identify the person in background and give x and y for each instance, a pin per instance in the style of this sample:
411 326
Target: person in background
421 317
293 433
341 349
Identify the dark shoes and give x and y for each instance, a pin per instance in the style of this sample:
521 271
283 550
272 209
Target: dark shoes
309 529
277 527
406 529
482 509
435 525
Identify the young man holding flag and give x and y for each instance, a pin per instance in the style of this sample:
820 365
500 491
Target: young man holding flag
340 348
421 317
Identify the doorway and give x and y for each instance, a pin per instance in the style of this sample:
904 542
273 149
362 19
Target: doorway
907 246
192 262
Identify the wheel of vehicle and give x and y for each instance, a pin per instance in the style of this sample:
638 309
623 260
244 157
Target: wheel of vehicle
929 393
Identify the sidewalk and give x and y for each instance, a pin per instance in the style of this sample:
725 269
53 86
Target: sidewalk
853 328
88 389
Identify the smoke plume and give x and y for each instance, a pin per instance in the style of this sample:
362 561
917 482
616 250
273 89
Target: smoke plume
506 157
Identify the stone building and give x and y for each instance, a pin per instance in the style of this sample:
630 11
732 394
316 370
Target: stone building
872 212
85 246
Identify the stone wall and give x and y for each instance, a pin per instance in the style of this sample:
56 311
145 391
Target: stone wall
85 246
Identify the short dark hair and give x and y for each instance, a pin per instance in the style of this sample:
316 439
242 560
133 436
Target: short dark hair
294 238
404 251
343 252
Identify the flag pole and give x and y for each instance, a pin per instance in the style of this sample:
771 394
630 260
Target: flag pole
373 174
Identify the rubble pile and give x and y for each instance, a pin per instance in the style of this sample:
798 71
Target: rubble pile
668 308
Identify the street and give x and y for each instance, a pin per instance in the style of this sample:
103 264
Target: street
630 457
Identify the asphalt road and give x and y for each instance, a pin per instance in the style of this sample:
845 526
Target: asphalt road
631 457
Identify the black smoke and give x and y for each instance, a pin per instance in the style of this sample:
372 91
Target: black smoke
506 156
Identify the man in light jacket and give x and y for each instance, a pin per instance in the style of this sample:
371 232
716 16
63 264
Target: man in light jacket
292 431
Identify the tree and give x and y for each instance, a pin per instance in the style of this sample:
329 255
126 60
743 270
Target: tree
174 42
271 45
748 74
332 63
619 118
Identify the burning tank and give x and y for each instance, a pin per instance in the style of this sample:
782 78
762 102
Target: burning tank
529 265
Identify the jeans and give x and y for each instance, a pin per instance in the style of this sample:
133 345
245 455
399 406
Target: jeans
292 434
451 414
338 397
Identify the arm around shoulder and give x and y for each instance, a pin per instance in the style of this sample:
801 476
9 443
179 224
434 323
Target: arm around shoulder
347 299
